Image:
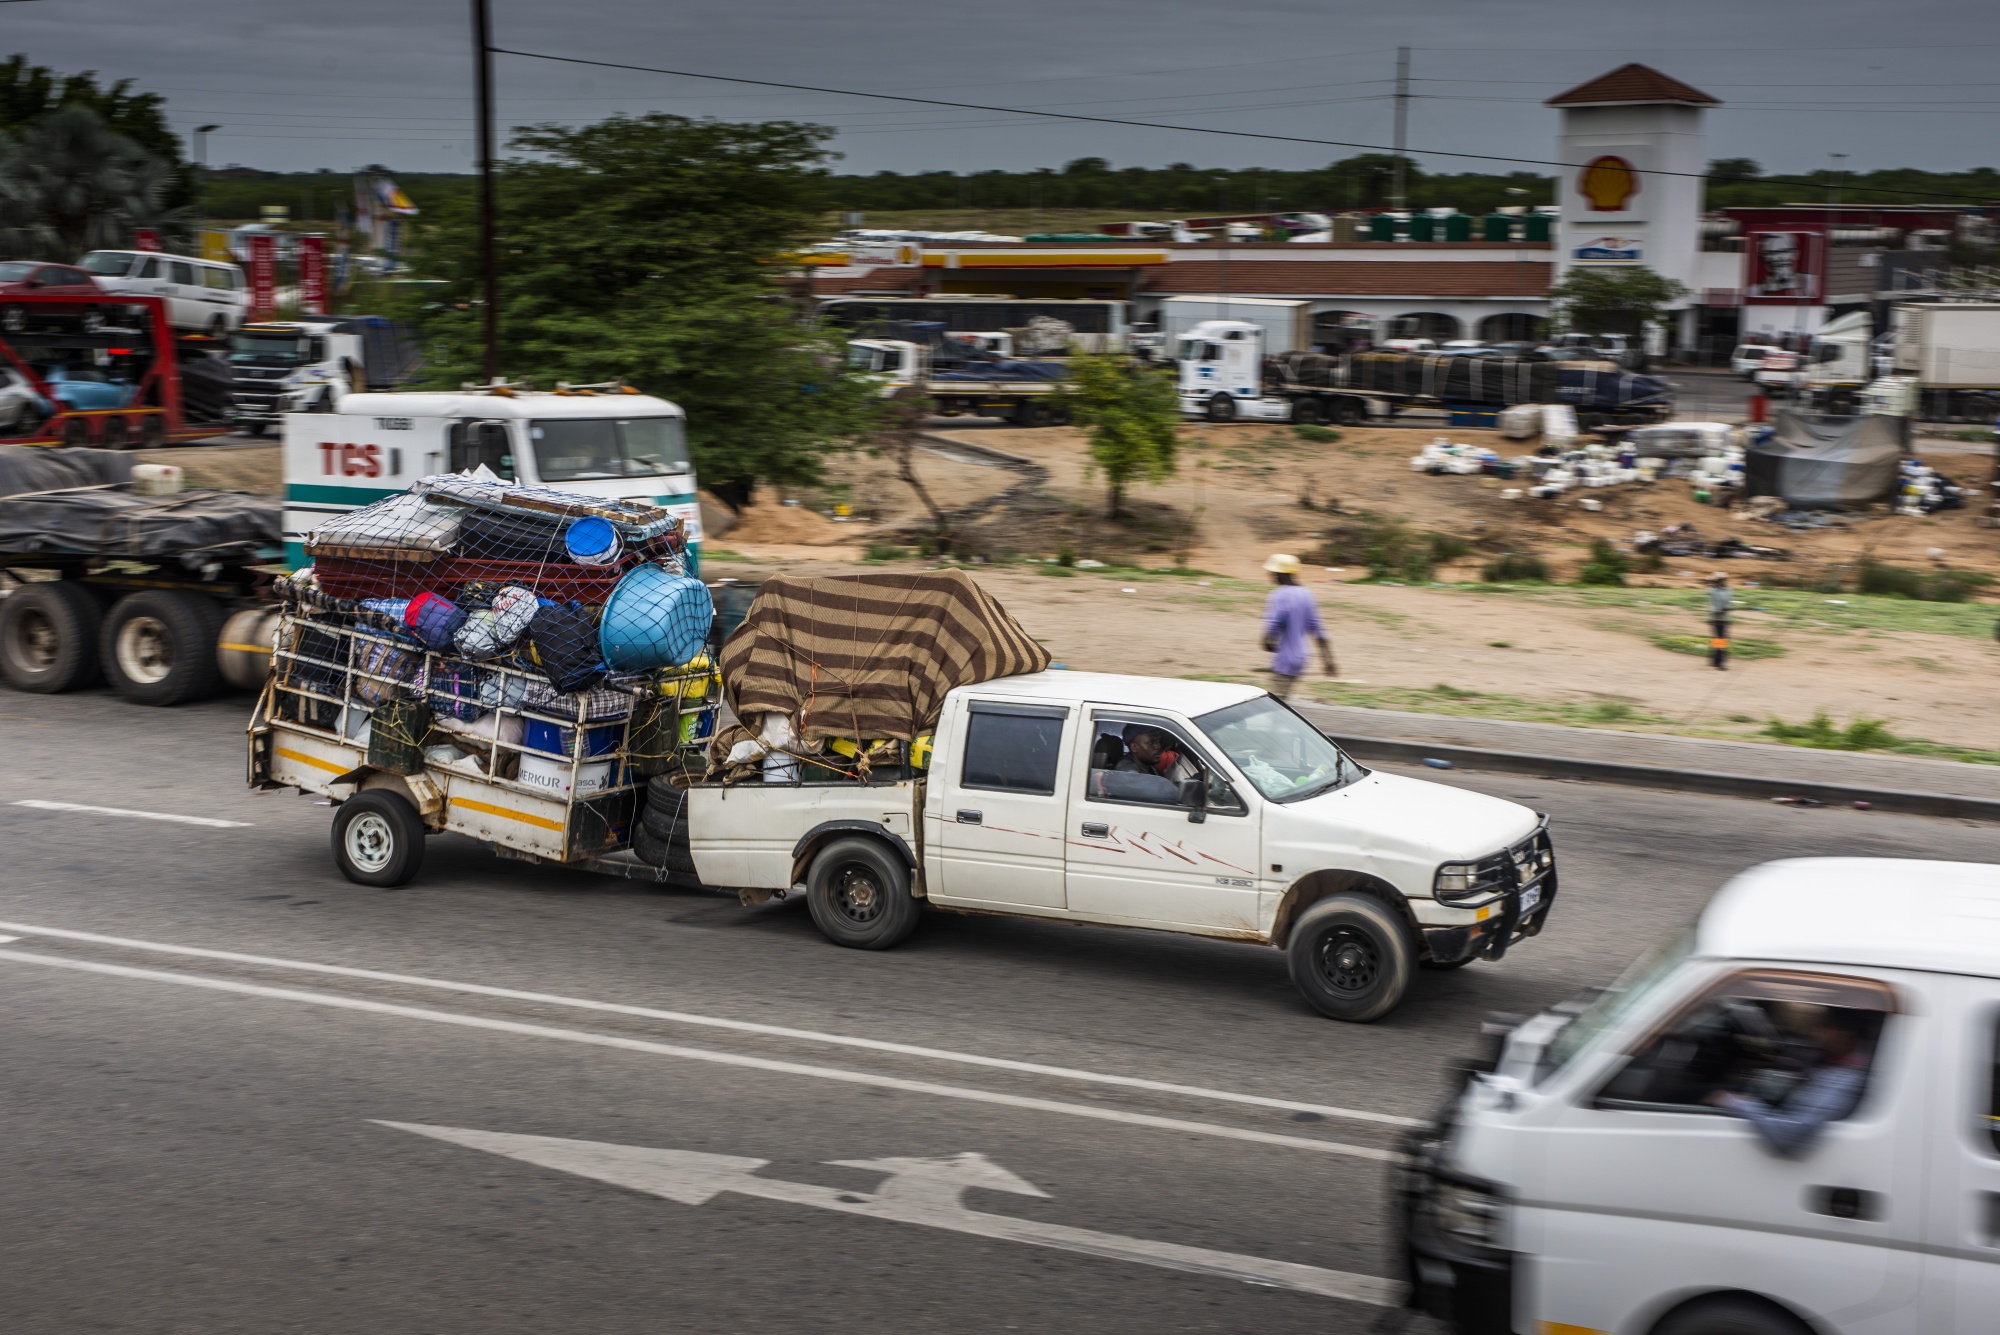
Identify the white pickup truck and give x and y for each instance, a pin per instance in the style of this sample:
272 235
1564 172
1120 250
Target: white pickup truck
1198 807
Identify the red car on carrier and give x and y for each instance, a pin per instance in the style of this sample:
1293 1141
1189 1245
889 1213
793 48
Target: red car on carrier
35 278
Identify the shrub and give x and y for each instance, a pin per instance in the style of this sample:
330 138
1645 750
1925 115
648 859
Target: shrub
1611 711
1821 733
1945 586
1516 568
882 551
1066 557
1448 547
1607 565
1317 435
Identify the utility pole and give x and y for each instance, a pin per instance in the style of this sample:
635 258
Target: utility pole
201 134
482 40
1398 192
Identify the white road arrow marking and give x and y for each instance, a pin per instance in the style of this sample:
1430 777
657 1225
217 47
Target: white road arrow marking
927 1192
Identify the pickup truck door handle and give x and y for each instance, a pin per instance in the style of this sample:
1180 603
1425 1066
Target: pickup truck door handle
1096 830
968 817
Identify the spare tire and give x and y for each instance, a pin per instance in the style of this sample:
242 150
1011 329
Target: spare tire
158 646
48 637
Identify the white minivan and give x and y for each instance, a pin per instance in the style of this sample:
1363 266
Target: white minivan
1785 1123
202 295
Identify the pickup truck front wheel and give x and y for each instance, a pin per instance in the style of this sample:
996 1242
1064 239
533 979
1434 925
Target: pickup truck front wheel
1352 958
859 894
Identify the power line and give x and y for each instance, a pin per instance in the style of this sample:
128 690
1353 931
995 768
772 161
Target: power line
1144 125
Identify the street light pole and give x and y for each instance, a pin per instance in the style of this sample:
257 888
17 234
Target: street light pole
201 134
482 39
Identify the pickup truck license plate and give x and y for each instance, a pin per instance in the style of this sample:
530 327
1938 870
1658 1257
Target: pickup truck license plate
1531 899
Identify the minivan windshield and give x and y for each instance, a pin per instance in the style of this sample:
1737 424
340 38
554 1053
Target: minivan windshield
109 263
1635 985
1285 757
595 448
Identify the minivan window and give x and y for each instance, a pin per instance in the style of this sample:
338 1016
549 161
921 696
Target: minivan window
150 269
216 278
108 263
180 272
1761 1037
589 449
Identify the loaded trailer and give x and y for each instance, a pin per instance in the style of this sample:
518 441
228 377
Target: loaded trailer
106 372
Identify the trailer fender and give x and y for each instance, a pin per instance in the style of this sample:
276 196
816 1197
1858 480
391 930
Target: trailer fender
419 790
817 837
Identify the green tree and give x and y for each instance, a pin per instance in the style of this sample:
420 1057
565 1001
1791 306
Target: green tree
1733 171
1132 414
643 248
69 184
1613 300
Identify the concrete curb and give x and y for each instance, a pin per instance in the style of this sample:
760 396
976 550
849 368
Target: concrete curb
1679 780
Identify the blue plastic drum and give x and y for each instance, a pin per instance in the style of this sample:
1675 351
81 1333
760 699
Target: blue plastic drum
654 619
591 541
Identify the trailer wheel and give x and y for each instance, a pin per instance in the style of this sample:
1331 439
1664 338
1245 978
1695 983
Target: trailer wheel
1351 958
1037 414
1222 408
1305 410
48 637
158 646
153 432
860 895
378 838
1348 412
76 432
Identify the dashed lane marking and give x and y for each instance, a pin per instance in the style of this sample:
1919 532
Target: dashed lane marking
40 805
738 1026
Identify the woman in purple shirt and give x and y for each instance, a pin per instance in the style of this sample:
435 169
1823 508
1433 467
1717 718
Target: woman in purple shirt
1291 616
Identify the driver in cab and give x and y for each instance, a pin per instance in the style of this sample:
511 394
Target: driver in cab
1150 751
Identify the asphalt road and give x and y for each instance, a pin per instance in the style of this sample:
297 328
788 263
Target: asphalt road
195 1143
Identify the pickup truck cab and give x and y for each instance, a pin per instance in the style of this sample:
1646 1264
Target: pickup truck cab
1787 1122
1204 808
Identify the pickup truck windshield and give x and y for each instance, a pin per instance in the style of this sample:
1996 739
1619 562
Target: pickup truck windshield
1279 752
586 449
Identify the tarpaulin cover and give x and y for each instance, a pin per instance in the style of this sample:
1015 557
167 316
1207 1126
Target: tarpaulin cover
1500 380
33 468
1825 460
870 656
122 523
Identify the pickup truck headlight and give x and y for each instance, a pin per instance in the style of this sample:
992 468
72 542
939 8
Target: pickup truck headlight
1473 882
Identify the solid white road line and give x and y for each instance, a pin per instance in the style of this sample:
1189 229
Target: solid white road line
40 805
743 1061
740 1026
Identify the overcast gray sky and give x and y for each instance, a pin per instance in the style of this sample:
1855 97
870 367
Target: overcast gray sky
339 85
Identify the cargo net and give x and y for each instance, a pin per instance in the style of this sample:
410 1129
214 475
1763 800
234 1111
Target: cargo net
575 588
360 675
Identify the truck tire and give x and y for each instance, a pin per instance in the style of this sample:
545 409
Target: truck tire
378 838
1352 958
668 854
48 638
158 646
1037 414
255 428
1221 408
859 894
1305 410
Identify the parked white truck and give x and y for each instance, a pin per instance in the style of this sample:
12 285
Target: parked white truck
1953 350
307 365
897 364
1787 1122
1272 835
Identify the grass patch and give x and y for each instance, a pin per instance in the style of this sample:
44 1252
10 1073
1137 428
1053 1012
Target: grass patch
1063 572
1499 644
1697 645
1790 609
1516 568
1942 586
1823 734
883 551
1457 702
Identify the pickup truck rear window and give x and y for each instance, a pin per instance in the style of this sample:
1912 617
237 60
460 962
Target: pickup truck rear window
1013 748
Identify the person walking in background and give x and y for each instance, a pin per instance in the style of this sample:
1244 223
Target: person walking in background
1720 603
1291 616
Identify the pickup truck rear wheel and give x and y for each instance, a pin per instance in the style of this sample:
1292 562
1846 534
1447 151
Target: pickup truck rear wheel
1352 958
378 838
859 894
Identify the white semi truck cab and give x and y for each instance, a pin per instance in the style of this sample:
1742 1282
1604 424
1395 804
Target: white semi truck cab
309 364
603 441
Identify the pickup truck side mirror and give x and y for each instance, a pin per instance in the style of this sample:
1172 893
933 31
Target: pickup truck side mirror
1194 796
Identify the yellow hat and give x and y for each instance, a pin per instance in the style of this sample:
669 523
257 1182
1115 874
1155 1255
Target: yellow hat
1282 564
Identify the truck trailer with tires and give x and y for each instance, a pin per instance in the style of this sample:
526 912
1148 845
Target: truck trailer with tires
163 596
106 372
962 376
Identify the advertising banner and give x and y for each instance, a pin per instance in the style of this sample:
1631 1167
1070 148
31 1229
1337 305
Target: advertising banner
1786 268
145 238
263 275
312 275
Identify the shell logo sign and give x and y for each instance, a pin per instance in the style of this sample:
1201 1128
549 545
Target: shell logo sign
1608 182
